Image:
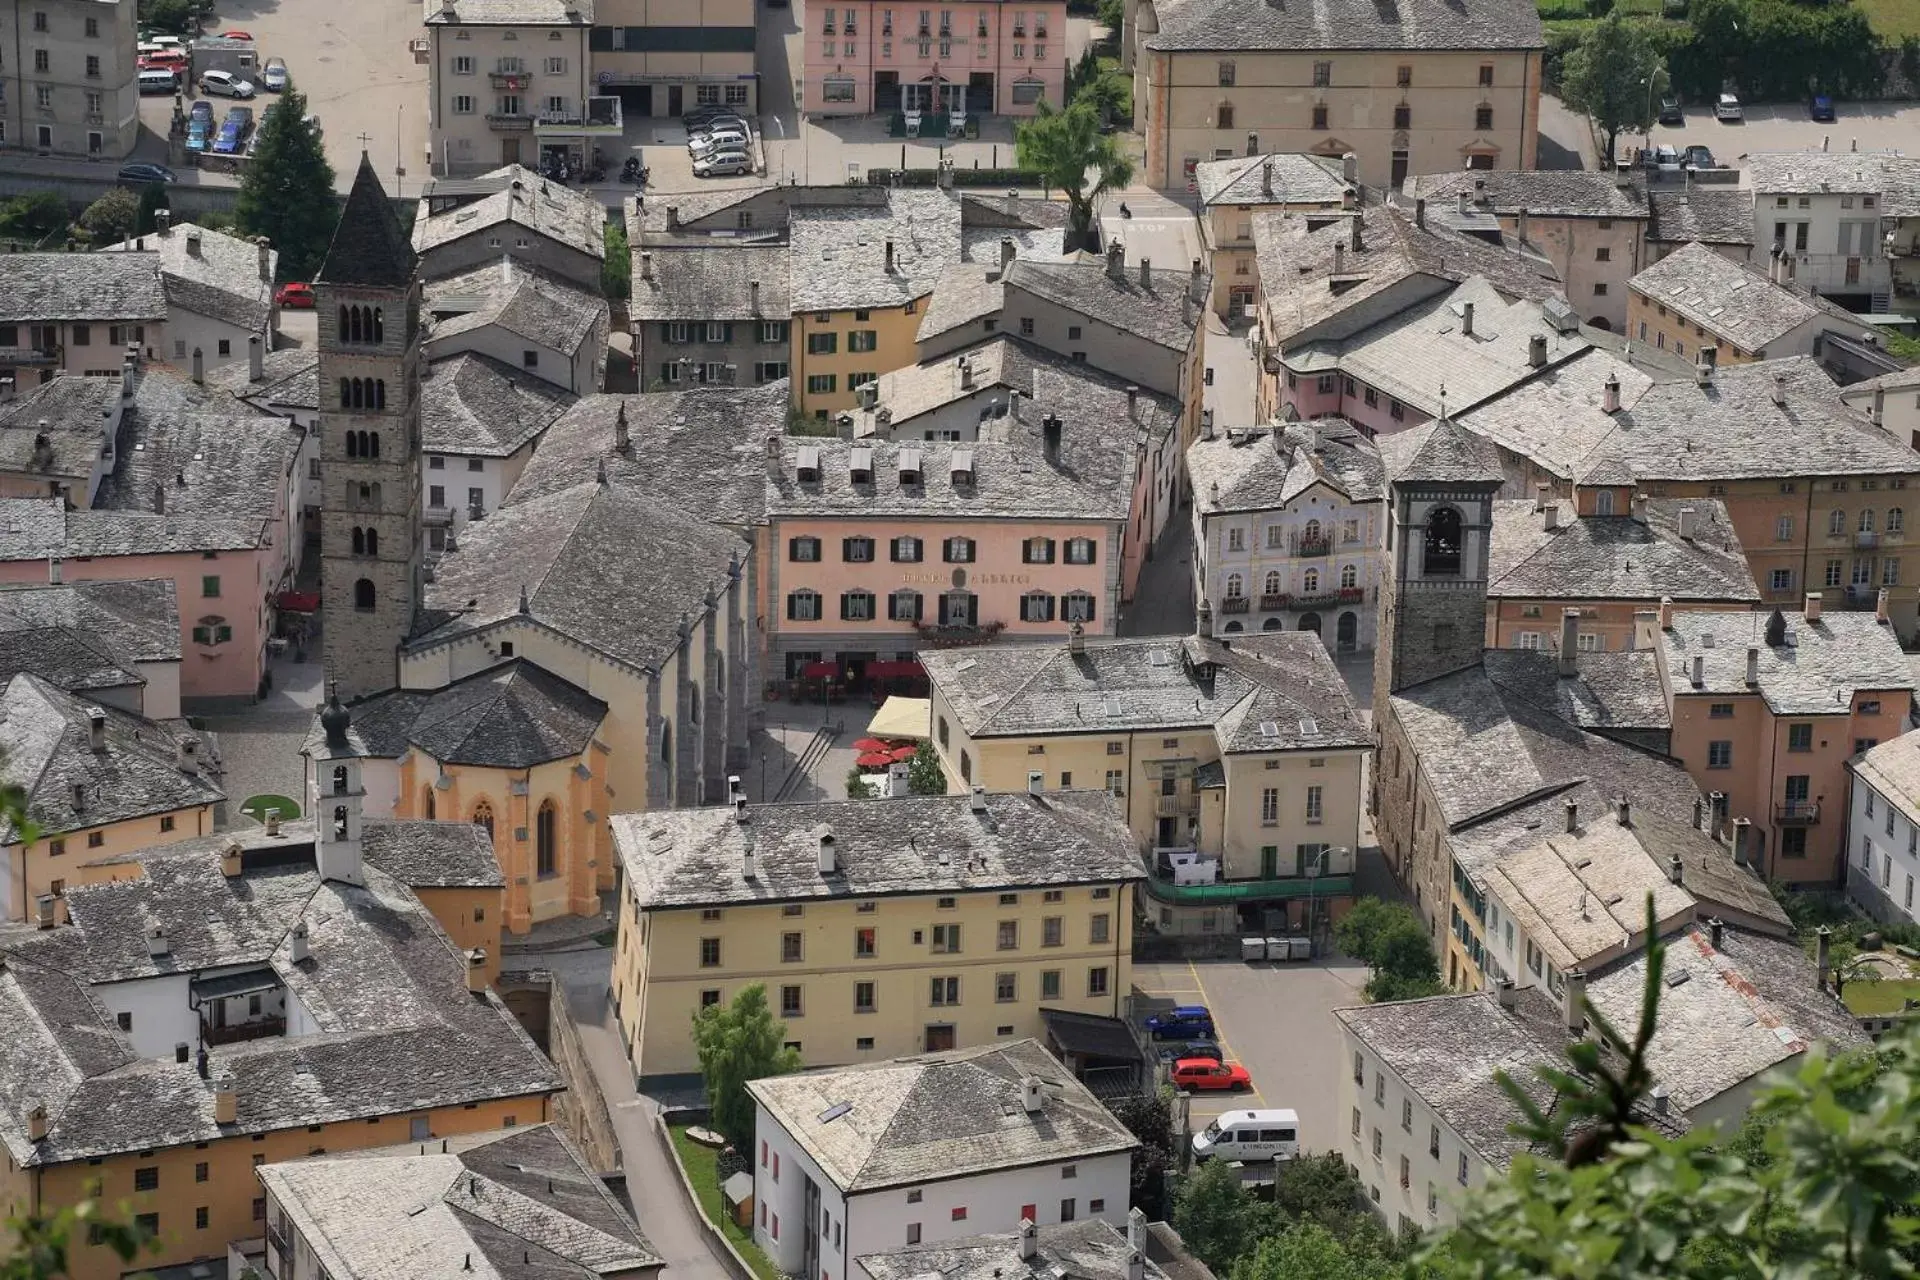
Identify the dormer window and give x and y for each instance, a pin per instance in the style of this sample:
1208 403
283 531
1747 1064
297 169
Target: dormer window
962 468
807 464
860 466
909 465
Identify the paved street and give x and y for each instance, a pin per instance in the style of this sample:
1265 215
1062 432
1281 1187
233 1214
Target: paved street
260 745
1872 126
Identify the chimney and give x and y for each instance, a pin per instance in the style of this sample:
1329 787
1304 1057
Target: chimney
43 911
1466 319
1623 176
299 950
186 755
1007 251
1699 670
200 1062
1813 607
193 243
163 221
1573 817
1350 167
1033 1094
1027 1242
1662 1100
1146 273
230 859
1688 517
1717 806
37 1124
1036 782
1050 436
1753 665
1461 203
1576 1001
1206 424
1666 613
823 839
1136 1266
226 1099
673 217
127 367
740 809
1623 811
199 366
748 868
965 365
182 1053
1550 516
1339 259
1076 639
1878 414
977 802
1266 178
1640 502
1779 388
1569 642
79 795
1715 930
1537 351
1823 954
1610 394
1676 870
1699 814
622 434
646 264
256 359
1880 604
1710 356
97 729
1133 403
1356 232
1743 850
1509 995
477 970
1420 213
889 257
1196 282
265 248
1116 260
897 781
1136 1229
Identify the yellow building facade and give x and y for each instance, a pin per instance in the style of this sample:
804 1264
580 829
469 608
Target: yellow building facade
939 925
836 351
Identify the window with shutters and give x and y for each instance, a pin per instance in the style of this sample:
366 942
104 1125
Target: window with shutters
803 606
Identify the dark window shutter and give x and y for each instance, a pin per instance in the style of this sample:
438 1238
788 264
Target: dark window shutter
943 611
919 602
666 331
844 611
793 605
846 548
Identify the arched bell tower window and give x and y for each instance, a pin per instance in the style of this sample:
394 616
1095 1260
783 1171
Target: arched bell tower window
1443 544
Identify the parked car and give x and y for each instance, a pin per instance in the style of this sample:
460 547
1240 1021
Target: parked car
296 294
163 60
1663 158
141 171
273 76
230 139
158 80
234 35
1204 1074
201 110
713 142
1728 108
1822 106
225 84
1670 112
1697 157
153 44
1174 1052
704 112
714 124
1182 1022
723 164
199 133
1270 1134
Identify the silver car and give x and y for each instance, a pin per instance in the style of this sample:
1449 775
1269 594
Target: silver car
723 164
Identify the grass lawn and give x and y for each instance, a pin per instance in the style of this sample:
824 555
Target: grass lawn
1893 19
703 1168
1885 996
256 807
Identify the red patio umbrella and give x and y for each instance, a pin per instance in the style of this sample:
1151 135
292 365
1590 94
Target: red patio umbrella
872 744
903 753
874 760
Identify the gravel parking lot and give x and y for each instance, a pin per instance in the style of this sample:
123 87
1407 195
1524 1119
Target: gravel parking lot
1275 1020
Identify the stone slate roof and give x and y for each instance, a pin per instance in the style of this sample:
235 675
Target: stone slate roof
212 274
515 13
979 211
683 858
839 251
1540 193
39 288
967 292
432 855
703 449
1091 401
572 218
1439 452
474 405
1618 557
45 744
1258 26
1263 469
511 716
601 564
1893 769
712 282
1398 263
1276 178
88 635
369 246
290 379
1271 691
1813 173
1160 311
1733 301
936 1116
397 1028
523 300
57 430
1090 1249
1817 671
519 1202
1725 1015
36 528
1617 692
1711 215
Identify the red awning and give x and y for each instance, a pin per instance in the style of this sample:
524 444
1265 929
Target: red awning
298 601
905 670
820 670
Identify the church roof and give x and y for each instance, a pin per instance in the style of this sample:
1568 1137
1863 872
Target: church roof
1442 452
369 247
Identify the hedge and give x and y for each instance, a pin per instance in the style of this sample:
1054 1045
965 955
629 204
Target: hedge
961 177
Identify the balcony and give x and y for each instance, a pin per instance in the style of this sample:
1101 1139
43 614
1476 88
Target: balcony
1797 813
1175 806
1235 604
1268 603
1313 547
1317 600
1228 892
1865 541
601 119
957 635
238 1032
436 516
30 355
516 123
510 81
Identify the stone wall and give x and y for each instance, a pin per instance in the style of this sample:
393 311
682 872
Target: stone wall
540 1004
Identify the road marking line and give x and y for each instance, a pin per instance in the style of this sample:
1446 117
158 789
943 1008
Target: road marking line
1219 1037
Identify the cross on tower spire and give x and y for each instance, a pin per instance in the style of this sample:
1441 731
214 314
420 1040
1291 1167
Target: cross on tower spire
365 138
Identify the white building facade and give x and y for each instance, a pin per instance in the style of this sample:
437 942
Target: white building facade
1883 830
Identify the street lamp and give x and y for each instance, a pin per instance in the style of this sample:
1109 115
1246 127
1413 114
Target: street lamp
1313 887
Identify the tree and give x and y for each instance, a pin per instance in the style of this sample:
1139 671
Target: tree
858 788
616 273
738 1042
925 777
1393 943
1111 14
112 217
33 216
1363 924
287 192
153 197
1149 1117
1218 1218
1308 1251
1613 77
40 1243
1062 147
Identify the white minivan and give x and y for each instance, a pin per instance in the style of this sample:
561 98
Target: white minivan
1270 1134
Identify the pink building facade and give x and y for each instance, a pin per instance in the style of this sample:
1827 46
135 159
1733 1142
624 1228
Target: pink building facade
1339 395
980 58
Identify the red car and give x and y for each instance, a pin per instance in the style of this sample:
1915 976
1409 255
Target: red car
236 35
295 294
164 60
1204 1073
